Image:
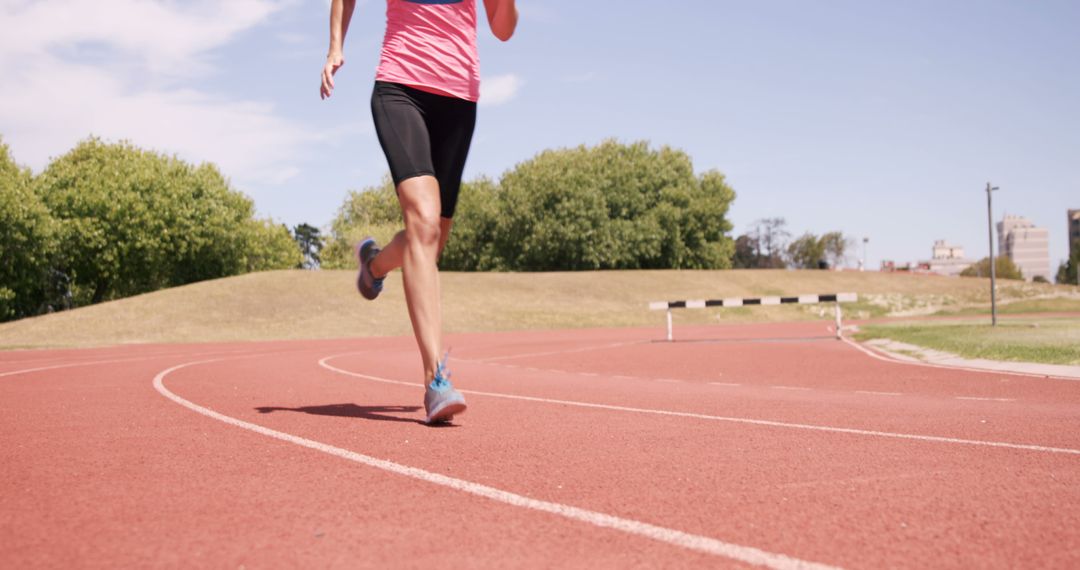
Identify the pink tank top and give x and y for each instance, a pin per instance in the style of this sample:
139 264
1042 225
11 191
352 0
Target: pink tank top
431 45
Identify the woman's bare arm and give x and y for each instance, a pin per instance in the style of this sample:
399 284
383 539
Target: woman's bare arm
502 17
340 14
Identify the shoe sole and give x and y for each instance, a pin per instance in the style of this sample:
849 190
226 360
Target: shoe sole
447 412
360 273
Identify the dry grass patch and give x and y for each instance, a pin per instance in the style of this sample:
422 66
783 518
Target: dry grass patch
324 304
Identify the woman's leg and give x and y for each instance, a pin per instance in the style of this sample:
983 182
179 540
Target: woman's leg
450 131
391 256
401 122
419 251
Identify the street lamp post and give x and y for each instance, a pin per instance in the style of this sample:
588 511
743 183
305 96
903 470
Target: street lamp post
865 240
990 233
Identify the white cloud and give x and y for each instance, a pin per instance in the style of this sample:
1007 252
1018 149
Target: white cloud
122 69
499 89
161 35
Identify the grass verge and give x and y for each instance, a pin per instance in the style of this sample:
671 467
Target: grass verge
1051 305
1045 341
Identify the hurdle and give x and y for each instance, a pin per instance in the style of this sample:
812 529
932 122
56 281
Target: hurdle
835 298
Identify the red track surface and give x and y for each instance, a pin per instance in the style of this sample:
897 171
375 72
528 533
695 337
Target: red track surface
595 448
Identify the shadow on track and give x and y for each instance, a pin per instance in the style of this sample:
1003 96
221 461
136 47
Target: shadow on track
376 413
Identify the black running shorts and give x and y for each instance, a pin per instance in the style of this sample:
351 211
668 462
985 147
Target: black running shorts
424 134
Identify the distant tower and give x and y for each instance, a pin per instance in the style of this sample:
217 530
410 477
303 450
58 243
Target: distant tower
1074 230
1005 227
1026 245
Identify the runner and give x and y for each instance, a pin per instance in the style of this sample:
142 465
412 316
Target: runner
424 107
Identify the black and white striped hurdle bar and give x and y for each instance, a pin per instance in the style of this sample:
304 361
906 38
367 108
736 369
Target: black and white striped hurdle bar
835 298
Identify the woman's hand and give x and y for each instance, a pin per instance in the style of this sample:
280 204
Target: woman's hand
340 14
334 61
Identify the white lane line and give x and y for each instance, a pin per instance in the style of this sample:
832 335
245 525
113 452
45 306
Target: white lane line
138 359
75 364
54 359
37 361
747 554
568 351
770 423
791 388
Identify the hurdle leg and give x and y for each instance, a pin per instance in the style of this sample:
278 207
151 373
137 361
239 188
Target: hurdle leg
839 322
669 325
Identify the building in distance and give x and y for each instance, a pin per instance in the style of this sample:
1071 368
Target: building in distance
946 259
1026 245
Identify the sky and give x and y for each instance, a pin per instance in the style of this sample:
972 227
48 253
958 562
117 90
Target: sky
876 118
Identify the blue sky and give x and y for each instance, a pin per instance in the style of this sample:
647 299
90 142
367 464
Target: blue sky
877 118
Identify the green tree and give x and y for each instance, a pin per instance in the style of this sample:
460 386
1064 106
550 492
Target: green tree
807 251
310 243
764 246
269 246
772 235
372 211
134 221
472 245
836 247
746 252
1004 268
27 242
613 206
704 227
1066 274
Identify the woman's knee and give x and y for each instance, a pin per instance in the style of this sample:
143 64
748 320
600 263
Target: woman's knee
419 198
423 229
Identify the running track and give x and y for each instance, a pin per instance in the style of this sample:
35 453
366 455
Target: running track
763 445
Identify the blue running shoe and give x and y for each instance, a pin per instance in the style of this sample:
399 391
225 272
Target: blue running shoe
441 400
369 286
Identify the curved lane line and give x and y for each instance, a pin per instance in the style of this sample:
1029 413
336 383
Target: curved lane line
769 423
674 537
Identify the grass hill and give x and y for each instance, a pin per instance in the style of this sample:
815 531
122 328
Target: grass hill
324 304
